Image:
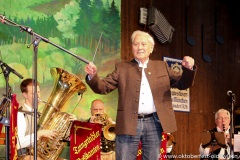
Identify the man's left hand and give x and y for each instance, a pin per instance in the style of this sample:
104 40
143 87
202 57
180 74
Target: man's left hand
188 62
72 117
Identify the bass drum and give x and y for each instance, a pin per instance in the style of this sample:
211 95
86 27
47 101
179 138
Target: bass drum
170 142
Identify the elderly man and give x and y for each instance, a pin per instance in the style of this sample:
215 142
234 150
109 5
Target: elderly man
222 121
144 105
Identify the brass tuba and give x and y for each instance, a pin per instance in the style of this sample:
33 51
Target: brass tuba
65 85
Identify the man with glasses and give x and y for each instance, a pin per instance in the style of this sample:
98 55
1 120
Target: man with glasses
222 121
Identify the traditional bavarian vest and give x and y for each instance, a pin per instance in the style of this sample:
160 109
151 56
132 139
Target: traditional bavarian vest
29 119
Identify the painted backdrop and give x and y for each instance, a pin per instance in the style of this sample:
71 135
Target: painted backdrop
75 25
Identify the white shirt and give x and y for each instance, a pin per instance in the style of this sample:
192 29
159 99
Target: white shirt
206 151
22 140
146 103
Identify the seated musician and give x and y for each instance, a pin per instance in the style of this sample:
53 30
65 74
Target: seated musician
25 122
222 121
98 116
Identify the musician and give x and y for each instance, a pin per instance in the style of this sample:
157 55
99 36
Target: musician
25 122
107 147
144 105
222 121
97 107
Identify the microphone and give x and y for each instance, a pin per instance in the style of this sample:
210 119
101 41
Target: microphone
6 69
229 93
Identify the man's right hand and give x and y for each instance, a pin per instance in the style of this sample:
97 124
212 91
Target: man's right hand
91 69
95 119
92 119
47 134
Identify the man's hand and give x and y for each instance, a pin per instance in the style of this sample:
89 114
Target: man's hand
91 69
47 134
188 62
72 117
95 119
227 138
110 121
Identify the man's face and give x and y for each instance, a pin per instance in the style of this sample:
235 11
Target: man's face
222 120
29 95
97 107
141 48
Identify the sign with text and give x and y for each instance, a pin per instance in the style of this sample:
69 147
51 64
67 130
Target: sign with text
180 98
13 128
85 141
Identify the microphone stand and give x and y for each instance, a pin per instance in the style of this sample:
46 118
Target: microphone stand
30 31
232 125
35 43
36 40
6 71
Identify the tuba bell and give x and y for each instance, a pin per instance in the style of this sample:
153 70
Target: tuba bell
65 85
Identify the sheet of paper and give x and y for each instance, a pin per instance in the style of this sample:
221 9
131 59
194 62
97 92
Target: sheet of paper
236 143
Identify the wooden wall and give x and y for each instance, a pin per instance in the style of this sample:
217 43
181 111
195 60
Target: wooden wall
214 79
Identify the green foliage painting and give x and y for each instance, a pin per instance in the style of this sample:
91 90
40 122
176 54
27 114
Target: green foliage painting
74 25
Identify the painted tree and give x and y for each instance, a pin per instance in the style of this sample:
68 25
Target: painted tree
67 18
114 20
83 27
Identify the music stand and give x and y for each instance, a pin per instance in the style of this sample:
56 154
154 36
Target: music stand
213 139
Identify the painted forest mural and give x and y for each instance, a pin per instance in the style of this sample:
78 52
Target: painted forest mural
75 25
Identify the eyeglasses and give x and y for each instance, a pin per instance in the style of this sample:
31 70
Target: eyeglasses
223 118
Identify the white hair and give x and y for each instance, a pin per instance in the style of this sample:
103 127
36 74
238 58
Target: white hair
222 110
150 38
